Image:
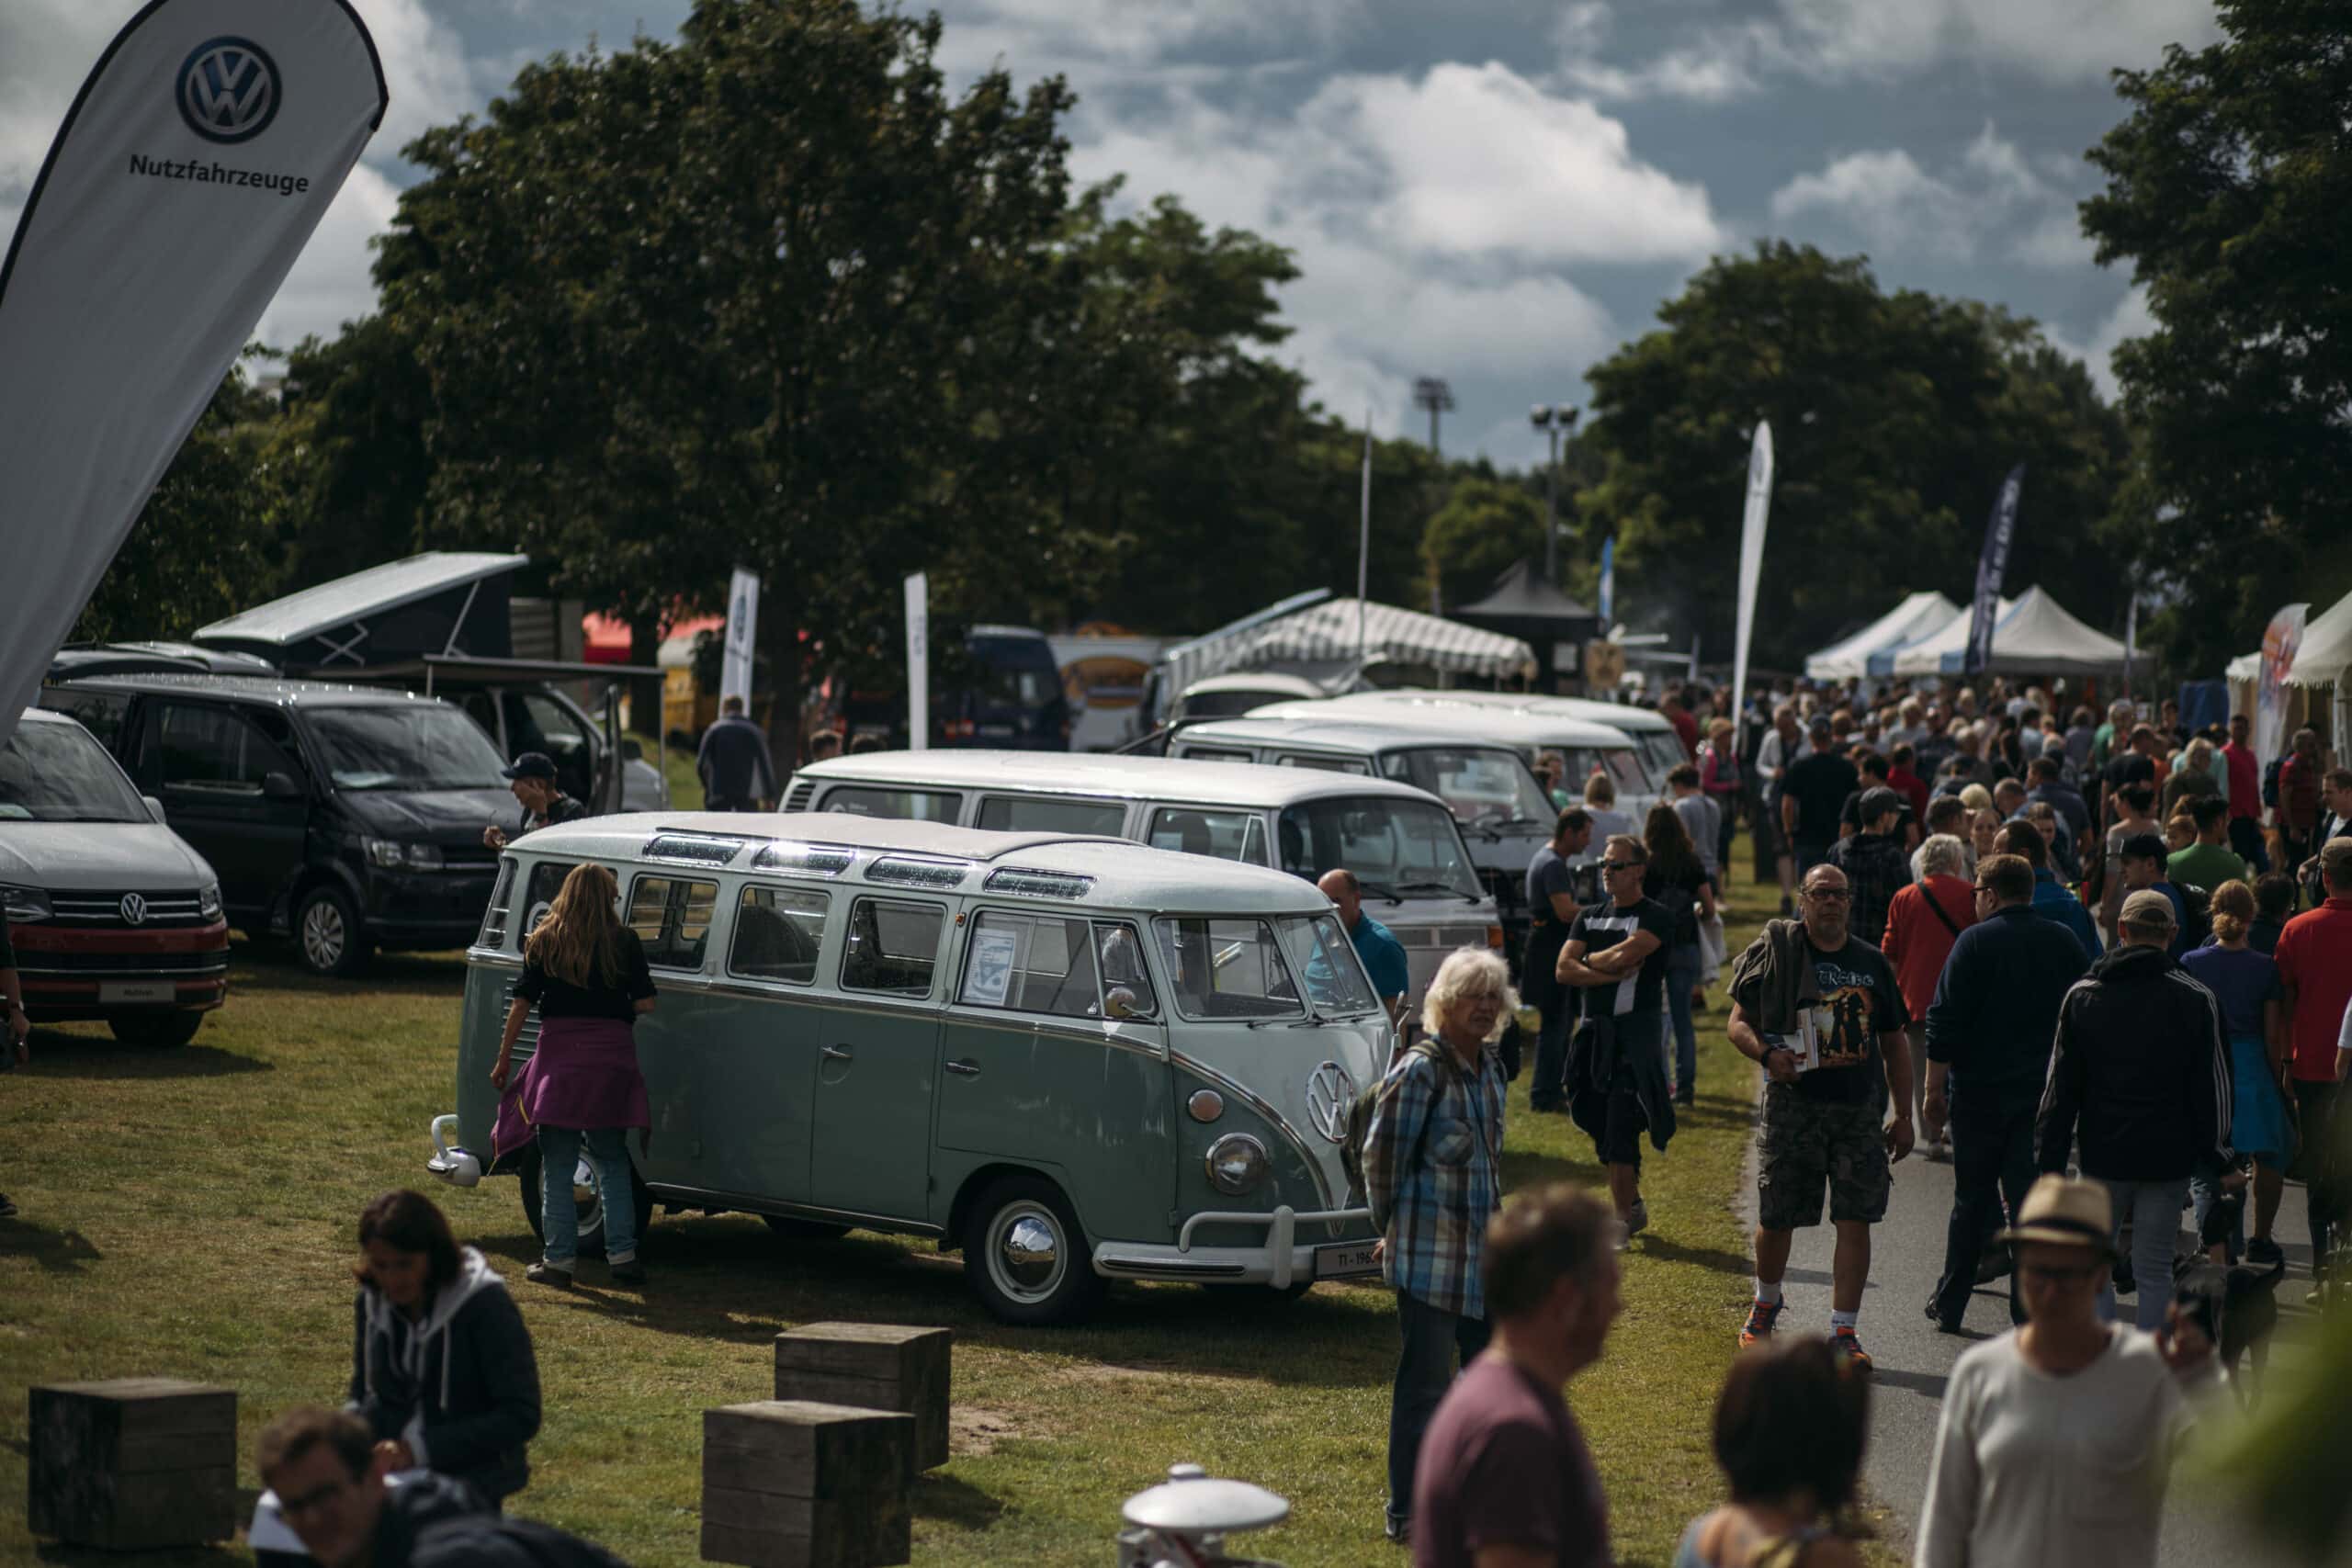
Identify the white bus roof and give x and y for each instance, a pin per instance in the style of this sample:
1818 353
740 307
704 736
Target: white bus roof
1121 875
1257 681
1365 734
1499 726
1621 716
1109 777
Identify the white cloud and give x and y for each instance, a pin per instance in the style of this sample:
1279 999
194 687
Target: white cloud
425 71
1990 199
329 285
2130 318
1832 41
1121 40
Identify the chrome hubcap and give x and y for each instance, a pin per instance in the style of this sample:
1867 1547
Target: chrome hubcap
322 935
587 1199
1025 1252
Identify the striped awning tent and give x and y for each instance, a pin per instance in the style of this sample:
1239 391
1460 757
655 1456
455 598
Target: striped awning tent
1330 633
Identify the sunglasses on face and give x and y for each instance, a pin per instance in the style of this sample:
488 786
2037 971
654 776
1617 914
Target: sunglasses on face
1623 864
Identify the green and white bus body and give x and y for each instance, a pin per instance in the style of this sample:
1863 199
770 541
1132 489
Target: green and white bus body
1074 1059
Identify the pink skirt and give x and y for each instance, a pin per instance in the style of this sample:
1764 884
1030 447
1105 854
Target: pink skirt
583 1076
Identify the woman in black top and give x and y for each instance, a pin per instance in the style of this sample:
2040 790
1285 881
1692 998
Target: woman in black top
587 973
1676 878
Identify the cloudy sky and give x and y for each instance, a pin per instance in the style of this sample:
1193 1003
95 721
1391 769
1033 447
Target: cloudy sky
1494 191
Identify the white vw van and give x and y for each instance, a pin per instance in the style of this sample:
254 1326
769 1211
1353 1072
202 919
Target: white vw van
1652 733
1419 879
1076 1060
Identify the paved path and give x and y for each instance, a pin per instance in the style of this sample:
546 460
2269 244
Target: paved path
1912 1360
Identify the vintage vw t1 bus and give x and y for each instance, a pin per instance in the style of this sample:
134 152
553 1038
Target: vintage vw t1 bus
1075 1059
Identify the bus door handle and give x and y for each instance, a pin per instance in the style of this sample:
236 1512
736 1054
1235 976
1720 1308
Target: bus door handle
837 1053
965 1068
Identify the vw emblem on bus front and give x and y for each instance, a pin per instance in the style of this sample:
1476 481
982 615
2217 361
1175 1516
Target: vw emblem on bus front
1331 1095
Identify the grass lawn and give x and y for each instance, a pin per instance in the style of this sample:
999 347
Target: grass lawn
190 1213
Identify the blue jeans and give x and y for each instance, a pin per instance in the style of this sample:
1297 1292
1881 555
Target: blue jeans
1683 967
1425 1367
559 1216
2152 1209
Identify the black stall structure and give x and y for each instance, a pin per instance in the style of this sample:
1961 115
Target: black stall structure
1522 605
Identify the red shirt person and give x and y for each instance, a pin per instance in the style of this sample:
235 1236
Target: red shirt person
1922 923
2314 961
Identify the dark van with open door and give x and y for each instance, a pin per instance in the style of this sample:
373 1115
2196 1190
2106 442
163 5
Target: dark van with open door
349 817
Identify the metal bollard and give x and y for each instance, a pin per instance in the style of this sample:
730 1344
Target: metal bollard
1182 1522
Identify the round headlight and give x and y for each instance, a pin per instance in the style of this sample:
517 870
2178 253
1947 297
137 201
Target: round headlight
1236 1163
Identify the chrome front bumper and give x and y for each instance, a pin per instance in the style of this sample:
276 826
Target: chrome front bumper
1281 1260
458 1167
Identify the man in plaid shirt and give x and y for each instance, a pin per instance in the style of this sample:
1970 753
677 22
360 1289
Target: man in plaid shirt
1432 1174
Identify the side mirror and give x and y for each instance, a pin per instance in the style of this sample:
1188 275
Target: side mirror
1120 1002
632 752
155 808
280 786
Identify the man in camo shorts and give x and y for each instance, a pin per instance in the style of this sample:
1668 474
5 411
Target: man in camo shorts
1839 1042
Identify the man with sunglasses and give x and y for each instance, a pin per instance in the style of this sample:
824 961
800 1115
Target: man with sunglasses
1989 1028
1822 1013
1616 954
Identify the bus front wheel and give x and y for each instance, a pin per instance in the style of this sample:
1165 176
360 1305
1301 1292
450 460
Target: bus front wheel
1025 1256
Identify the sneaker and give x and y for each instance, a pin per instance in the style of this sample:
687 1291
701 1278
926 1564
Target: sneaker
2261 1249
549 1274
1399 1530
1849 1350
1638 1221
1762 1317
630 1273
1686 1098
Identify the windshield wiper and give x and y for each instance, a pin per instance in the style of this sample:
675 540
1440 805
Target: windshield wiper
1380 890
1447 887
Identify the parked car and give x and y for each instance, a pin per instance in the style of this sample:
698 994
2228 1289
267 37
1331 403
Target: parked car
1230 696
1419 877
112 915
1074 1059
347 817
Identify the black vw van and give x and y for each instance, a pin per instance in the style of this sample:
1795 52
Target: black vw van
349 817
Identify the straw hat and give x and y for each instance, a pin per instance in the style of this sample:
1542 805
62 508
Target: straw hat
2064 1210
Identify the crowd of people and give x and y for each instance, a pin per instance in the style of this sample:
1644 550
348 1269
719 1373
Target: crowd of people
2062 953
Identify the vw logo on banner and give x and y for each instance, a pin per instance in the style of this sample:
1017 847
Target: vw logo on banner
228 90
1330 1097
134 909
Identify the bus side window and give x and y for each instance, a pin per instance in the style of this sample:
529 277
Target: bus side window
672 918
777 932
892 948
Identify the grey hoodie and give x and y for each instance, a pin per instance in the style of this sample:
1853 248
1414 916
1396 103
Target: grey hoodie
460 1387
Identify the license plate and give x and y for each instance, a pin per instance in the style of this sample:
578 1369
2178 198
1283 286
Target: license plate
1347 1257
119 991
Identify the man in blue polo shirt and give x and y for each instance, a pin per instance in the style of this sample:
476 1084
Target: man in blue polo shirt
1383 954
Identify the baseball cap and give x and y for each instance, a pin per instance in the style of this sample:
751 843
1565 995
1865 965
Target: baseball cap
1878 801
2144 846
2149 909
531 765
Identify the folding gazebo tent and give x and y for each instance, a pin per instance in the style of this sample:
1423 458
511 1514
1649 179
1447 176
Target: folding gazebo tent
2033 634
1849 659
1333 639
2324 659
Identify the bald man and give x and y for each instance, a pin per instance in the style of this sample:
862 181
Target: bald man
1383 954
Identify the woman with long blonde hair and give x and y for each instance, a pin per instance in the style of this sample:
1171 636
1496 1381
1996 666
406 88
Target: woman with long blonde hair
586 973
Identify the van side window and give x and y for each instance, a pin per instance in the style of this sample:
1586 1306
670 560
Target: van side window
892 947
546 881
777 932
898 804
1228 969
1050 814
214 749
671 915
1322 764
1226 835
1032 964
100 711
1213 754
493 919
1126 984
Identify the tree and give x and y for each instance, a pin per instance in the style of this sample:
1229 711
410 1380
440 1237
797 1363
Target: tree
349 453
767 297
2225 190
1894 416
1484 525
202 548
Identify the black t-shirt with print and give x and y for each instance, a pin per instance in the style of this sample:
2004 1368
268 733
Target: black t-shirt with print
1601 926
1860 1001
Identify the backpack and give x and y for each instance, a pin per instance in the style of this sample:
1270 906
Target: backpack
2271 781
2197 929
1360 1114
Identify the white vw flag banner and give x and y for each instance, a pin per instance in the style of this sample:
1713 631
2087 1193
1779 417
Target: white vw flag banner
918 662
189 175
742 637
1751 568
